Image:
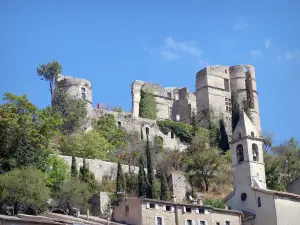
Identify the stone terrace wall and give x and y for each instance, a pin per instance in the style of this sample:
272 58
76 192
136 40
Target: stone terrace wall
100 168
137 124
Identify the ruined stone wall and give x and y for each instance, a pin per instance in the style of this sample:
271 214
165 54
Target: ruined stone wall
136 124
76 87
186 105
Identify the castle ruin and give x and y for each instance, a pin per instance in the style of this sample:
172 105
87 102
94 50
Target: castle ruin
215 86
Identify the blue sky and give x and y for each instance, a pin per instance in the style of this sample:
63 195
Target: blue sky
112 43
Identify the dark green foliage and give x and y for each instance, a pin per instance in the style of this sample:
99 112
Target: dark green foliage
217 203
74 172
151 192
223 141
121 182
148 105
214 133
24 189
142 179
50 72
184 132
131 184
165 193
235 115
86 176
25 132
158 143
74 193
72 110
142 133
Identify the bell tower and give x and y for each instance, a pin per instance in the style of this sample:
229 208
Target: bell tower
248 166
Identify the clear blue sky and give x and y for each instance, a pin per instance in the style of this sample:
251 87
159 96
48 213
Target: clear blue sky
111 43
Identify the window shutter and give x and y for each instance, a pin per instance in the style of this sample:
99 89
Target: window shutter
185 222
162 221
184 210
164 208
147 205
156 206
193 222
155 222
172 209
206 211
196 210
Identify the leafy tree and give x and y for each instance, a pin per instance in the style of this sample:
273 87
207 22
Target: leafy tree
74 194
24 189
151 192
131 184
106 126
148 105
50 72
74 172
202 161
165 193
57 172
25 132
72 110
142 179
91 145
121 182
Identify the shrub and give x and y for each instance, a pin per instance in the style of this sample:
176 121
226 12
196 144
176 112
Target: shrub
148 105
217 203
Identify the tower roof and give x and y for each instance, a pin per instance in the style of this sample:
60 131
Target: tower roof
244 128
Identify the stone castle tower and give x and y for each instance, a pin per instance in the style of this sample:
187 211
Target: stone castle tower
215 86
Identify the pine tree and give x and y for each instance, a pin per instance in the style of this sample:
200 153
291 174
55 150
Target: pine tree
121 183
165 193
142 179
151 192
74 172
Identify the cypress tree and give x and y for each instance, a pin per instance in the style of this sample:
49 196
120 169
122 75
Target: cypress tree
223 142
151 192
142 179
121 183
74 172
84 171
165 193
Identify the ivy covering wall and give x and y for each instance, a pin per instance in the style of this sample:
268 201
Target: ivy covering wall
184 132
148 105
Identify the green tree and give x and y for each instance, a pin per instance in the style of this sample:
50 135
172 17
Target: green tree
24 189
25 132
151 192
202 161
50 72
74 193
74 172
72 110
57 172
165 193
148 105
107 128
142 179
91 145
121 182
131 184
86 176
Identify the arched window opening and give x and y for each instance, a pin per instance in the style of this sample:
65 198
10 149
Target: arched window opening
255 152
240 153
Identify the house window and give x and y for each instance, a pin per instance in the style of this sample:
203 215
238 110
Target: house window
168 208
188 209
240 153
228 105
169 95
258 202
189 222
227 223
202 222
225 71
83 92
226 84
119 124
217 223
151 206
255 152
147 130
158 221
252 134
201 211
172 134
